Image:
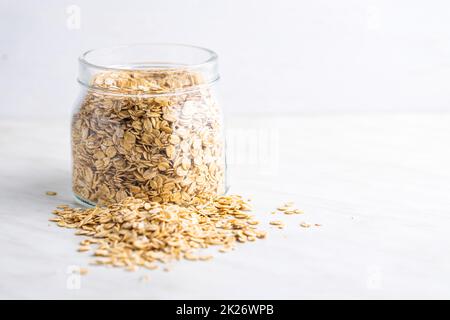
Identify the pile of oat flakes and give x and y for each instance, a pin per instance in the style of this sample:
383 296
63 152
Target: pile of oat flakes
135 233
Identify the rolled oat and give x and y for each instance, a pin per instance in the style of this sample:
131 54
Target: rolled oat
136 233
153 135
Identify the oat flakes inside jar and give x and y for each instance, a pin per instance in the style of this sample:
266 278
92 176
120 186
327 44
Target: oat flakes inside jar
147 124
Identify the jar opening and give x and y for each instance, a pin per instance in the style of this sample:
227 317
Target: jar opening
146 61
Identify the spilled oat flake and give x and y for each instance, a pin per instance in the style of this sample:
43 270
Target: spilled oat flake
136 233
289 209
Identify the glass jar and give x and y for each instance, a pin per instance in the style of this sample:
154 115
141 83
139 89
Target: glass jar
147 124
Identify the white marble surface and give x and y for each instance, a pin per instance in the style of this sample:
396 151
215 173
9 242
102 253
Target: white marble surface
379 184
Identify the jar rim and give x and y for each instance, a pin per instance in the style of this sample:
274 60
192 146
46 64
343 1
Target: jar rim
212 56
148 57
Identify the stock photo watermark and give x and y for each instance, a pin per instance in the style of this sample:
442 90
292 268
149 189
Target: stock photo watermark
73 17
373 17
254 147
73 281
374 278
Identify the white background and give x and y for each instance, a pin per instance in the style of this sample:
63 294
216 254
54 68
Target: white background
338 106
275 56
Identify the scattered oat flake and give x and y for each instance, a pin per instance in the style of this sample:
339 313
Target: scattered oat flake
288 209
261 234
51 193
83 248
305 225
276 223
82 271
132 268
150 266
